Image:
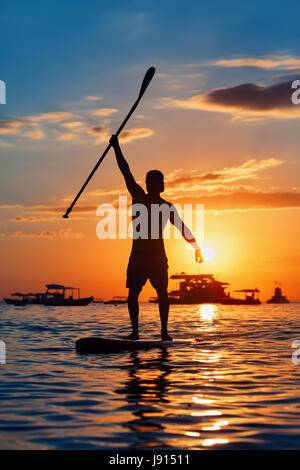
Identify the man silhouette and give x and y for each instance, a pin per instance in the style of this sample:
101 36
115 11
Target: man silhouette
148 259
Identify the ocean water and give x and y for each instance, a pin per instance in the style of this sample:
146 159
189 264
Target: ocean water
237 388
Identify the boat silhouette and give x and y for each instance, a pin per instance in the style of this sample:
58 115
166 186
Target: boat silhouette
278 298
21 299
55 295
249 299
117 299
196 289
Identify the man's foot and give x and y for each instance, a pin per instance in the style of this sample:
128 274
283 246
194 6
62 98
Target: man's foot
165 336
132 336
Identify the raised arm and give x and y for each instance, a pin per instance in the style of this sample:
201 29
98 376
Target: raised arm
131 184
186 233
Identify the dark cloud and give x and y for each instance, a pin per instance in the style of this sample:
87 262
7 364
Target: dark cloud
253 97
246 99
96 130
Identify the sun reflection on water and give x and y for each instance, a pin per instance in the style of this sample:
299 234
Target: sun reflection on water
202 401
215 426
208 311
211 442
206 413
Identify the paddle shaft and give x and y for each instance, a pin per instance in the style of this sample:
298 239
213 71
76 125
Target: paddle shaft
145 83
101 158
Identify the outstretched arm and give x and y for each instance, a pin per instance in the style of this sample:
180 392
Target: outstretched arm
186 233
131 184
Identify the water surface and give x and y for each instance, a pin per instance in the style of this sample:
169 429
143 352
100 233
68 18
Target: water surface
236 389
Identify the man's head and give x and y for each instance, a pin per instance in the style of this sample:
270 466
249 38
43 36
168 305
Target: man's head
155 182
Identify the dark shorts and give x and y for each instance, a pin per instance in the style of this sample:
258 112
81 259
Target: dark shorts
144 266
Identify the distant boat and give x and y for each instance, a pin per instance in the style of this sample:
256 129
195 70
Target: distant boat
117 299
56 296
196 289
21 299
248 300
278 298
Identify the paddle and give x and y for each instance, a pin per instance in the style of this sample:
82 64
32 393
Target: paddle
147 79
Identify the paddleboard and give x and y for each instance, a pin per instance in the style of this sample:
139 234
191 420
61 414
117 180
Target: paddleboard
95 345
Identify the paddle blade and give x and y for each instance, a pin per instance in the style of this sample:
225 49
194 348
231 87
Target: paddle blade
66 215
147 79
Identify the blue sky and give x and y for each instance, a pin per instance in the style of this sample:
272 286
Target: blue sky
54 51
54 54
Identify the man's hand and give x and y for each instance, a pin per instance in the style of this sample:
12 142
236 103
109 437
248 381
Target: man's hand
114 141
198 256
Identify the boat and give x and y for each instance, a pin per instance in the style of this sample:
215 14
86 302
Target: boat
278 298
21 299
55 295
196 289
117 299
250 298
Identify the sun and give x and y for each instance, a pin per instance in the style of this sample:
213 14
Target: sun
208 253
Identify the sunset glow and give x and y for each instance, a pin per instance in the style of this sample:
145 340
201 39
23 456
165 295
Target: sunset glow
236 156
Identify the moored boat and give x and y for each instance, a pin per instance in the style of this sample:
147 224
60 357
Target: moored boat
117 299
278 298
249 299
21 299
56 296
195 289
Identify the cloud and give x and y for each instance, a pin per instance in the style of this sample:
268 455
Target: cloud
56 116
11 206
245 99
93 98
67 136
100 132
228 175
221 190
35 134
126 136
67 126
48 209
28 125
246 200
104 112
217 189
32 218
73 124
47 234
11 127
97 130
271 62
135 133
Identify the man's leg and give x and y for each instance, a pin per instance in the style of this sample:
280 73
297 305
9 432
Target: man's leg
133 308
163 302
